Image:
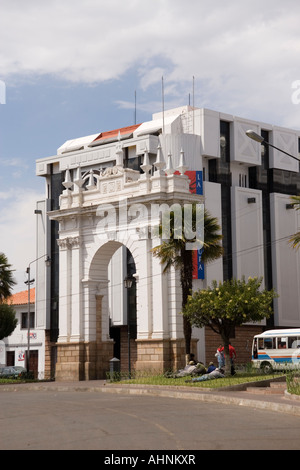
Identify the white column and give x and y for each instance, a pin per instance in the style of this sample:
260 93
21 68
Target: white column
103 290
144 291
89 289
75 286
64 296
175 304
160 301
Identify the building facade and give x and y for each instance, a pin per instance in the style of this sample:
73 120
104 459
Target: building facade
104 198
14 348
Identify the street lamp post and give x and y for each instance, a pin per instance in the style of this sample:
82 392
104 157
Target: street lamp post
128 284
258 138
28 282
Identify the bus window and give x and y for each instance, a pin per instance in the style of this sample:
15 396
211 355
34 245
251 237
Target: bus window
266 343
281 343
261 343
293 342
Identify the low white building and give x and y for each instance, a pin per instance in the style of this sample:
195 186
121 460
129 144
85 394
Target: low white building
96 223
14 348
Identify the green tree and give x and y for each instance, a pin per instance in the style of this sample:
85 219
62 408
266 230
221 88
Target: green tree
295 239
6 278
226 305
8 321
174 252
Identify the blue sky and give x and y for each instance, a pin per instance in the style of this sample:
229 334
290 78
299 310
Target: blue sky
71 69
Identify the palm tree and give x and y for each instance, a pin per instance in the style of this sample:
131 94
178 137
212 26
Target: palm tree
6 278
174 253
295 239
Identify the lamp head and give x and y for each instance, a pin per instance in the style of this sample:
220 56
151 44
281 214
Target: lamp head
252 135
128 282
48 261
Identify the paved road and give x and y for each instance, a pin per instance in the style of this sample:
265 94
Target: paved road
68 420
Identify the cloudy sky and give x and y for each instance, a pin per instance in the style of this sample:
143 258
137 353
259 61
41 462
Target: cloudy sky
72 68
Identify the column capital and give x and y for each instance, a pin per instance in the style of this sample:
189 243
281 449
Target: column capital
69 242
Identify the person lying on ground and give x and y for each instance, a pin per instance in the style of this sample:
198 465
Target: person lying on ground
190 369
215 374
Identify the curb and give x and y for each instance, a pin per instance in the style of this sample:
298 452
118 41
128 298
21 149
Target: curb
291 396
209 395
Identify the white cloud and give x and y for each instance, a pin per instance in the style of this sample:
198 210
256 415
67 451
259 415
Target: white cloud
17 230
244 56
17 165
17 162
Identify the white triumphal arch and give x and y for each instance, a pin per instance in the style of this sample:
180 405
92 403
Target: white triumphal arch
102 216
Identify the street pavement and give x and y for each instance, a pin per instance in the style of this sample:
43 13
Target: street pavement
98 415
279 402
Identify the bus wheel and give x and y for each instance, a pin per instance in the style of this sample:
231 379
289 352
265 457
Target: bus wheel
266 368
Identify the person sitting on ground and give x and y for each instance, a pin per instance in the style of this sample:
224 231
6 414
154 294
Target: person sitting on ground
200 369
211 367
190 369
187 370
192 360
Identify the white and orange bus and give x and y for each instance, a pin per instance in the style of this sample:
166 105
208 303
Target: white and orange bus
277 350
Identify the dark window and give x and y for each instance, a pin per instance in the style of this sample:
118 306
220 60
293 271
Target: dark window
133 163
131 296
10 358
24 322
225 141
224 177
285 182
56 190
219 172
212 170
260 176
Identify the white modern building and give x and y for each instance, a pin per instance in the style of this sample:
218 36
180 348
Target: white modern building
97 224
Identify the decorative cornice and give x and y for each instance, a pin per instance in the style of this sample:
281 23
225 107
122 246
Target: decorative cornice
68 242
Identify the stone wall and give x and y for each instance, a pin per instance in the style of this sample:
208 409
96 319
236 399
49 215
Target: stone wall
49 366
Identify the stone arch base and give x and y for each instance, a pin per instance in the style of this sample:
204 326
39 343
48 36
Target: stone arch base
162 355
90 361
83 361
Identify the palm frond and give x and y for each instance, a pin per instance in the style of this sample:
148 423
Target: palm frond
6 278
295 200
170 251
169 254
295 240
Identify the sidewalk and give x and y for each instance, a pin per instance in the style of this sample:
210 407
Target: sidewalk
254 397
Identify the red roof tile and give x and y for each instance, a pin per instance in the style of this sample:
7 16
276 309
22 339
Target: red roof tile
21 298
115 132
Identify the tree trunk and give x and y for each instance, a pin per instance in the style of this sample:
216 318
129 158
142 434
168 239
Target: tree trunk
186 279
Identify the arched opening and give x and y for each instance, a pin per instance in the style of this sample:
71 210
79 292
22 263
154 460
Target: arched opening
124 333
114 307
